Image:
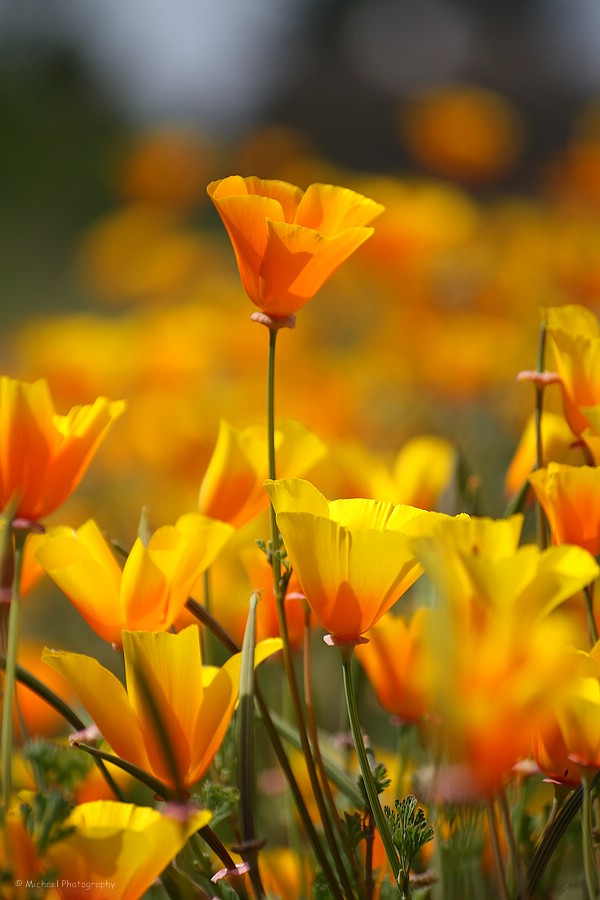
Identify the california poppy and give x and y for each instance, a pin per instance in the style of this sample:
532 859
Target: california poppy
150 591
570 496
288 242
172 717
353 558
43 456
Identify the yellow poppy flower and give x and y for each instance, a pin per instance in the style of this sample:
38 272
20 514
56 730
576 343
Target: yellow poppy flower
288 242
353 558
152 588
117 849
171 718
232 487
43 456
570 496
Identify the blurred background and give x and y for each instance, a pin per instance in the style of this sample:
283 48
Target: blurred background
476 123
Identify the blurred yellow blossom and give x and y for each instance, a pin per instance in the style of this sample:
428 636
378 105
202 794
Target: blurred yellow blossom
118 849
498 653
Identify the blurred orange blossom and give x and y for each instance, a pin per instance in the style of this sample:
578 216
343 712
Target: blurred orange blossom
574 337
232 487
570 497
396 663
117 849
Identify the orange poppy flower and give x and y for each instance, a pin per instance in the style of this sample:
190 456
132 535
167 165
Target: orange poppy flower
574 337
570 496
288 242
43 456
395 662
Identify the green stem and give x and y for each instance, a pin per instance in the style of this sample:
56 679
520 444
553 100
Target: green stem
365 769
314 736
539 449
500 876
589 603
162 790
279 590
513 850
10 680
587 837
246 756
208 648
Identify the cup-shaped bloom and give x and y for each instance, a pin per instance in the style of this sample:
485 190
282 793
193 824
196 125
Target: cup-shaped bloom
570 496
574 337
117 849
396 663
43 456
172 716
154 584
232 487
353 558
287 242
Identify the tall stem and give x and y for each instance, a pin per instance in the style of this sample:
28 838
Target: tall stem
539 449
587 837
314 736
14 622
365 769
495 840
589 603
279 590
